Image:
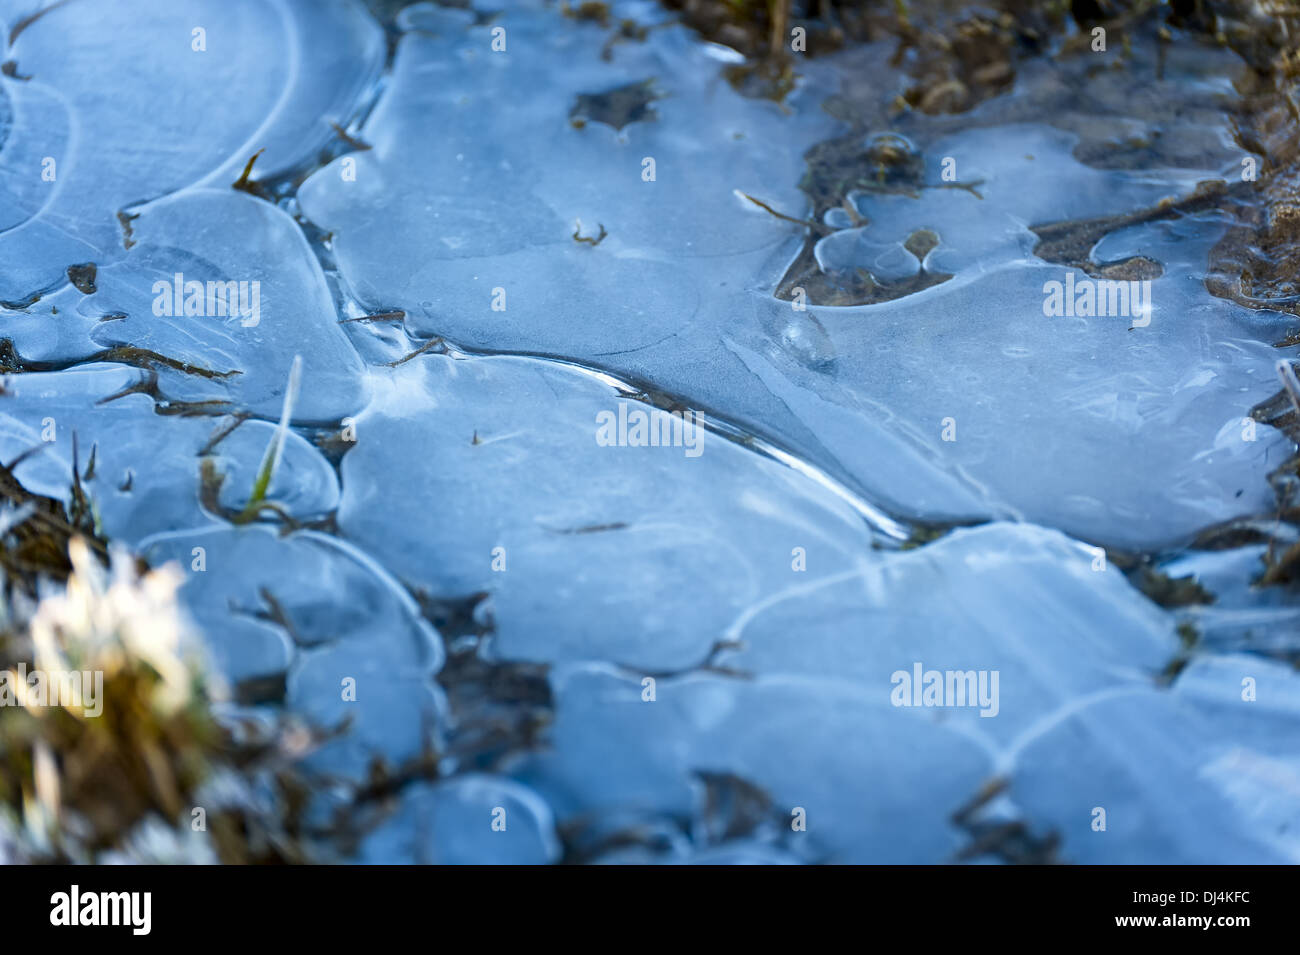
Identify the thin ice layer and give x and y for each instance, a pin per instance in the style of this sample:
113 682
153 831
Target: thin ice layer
464 216
201 85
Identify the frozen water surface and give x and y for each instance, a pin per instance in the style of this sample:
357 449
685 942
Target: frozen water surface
684 281
291 619
502 271
129 109
440 825
241 239
662 546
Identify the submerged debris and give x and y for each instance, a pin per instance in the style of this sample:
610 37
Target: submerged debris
351 141
35 547
125 219
839 171
763 79
618 107
11 361
243 183
83 277
1170 591
592 241
628 31
590 10
1000 835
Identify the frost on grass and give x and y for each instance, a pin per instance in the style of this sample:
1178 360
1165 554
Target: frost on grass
123 770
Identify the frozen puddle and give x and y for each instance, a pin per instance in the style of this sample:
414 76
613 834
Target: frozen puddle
596 510
457 217
127 102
